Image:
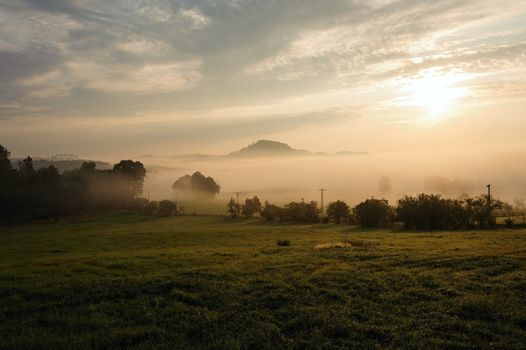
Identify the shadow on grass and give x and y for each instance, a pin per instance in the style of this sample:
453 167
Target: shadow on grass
361 229
109 218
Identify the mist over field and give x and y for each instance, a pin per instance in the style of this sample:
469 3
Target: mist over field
350 178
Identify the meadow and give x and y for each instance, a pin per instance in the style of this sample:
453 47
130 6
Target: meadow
131 281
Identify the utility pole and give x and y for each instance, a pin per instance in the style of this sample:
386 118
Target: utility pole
322 208
489 205
237 203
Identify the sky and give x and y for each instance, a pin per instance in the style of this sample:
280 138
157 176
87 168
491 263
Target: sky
108 79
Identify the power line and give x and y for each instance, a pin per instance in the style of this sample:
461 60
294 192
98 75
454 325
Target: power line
489 204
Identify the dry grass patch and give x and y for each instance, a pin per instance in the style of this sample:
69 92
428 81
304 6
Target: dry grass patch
332 245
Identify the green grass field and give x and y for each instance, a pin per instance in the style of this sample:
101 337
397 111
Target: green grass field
126 281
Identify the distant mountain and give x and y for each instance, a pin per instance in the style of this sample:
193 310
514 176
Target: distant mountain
267 148
258 149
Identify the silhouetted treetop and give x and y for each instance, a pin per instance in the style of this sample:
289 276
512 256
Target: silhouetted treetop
5 162
88 167
197 185
338 210
134 172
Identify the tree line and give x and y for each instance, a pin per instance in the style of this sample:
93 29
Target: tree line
27 193
421 212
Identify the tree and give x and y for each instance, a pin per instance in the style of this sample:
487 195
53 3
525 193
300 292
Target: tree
338 211
29 193
183 184
384 185
7 185
204 185
26 170
302 212
167 208
233 208
519 204
27 180
373 213
425 212
251 206
272 212
150 207
256 204
5 162
479 210
431 212
198 185
134 173
48 189
88 167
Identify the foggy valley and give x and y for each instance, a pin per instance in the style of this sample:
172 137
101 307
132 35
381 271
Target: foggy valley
254 174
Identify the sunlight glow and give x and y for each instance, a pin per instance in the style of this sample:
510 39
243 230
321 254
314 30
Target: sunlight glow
434 91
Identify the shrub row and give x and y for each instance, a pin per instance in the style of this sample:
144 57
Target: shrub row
421 212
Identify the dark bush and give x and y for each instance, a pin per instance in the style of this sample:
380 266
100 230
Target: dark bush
374 213
338 210
431 212
271 212
150 207
167 208
283 243
251 206
138 204
302 212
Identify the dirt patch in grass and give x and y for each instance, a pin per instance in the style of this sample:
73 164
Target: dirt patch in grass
332 245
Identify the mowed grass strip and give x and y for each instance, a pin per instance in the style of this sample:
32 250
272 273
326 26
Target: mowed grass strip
128 281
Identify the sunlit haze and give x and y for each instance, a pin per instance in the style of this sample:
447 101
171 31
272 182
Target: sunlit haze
434 87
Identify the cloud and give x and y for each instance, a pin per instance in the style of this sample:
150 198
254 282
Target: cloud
198 58
385 38
156 78
19 65
194 18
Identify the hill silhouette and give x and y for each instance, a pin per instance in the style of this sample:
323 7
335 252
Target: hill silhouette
259 149
268 148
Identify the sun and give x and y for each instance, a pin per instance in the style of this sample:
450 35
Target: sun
434 92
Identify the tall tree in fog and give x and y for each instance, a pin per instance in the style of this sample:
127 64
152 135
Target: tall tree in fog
6 184
384 185
134 173
198 185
